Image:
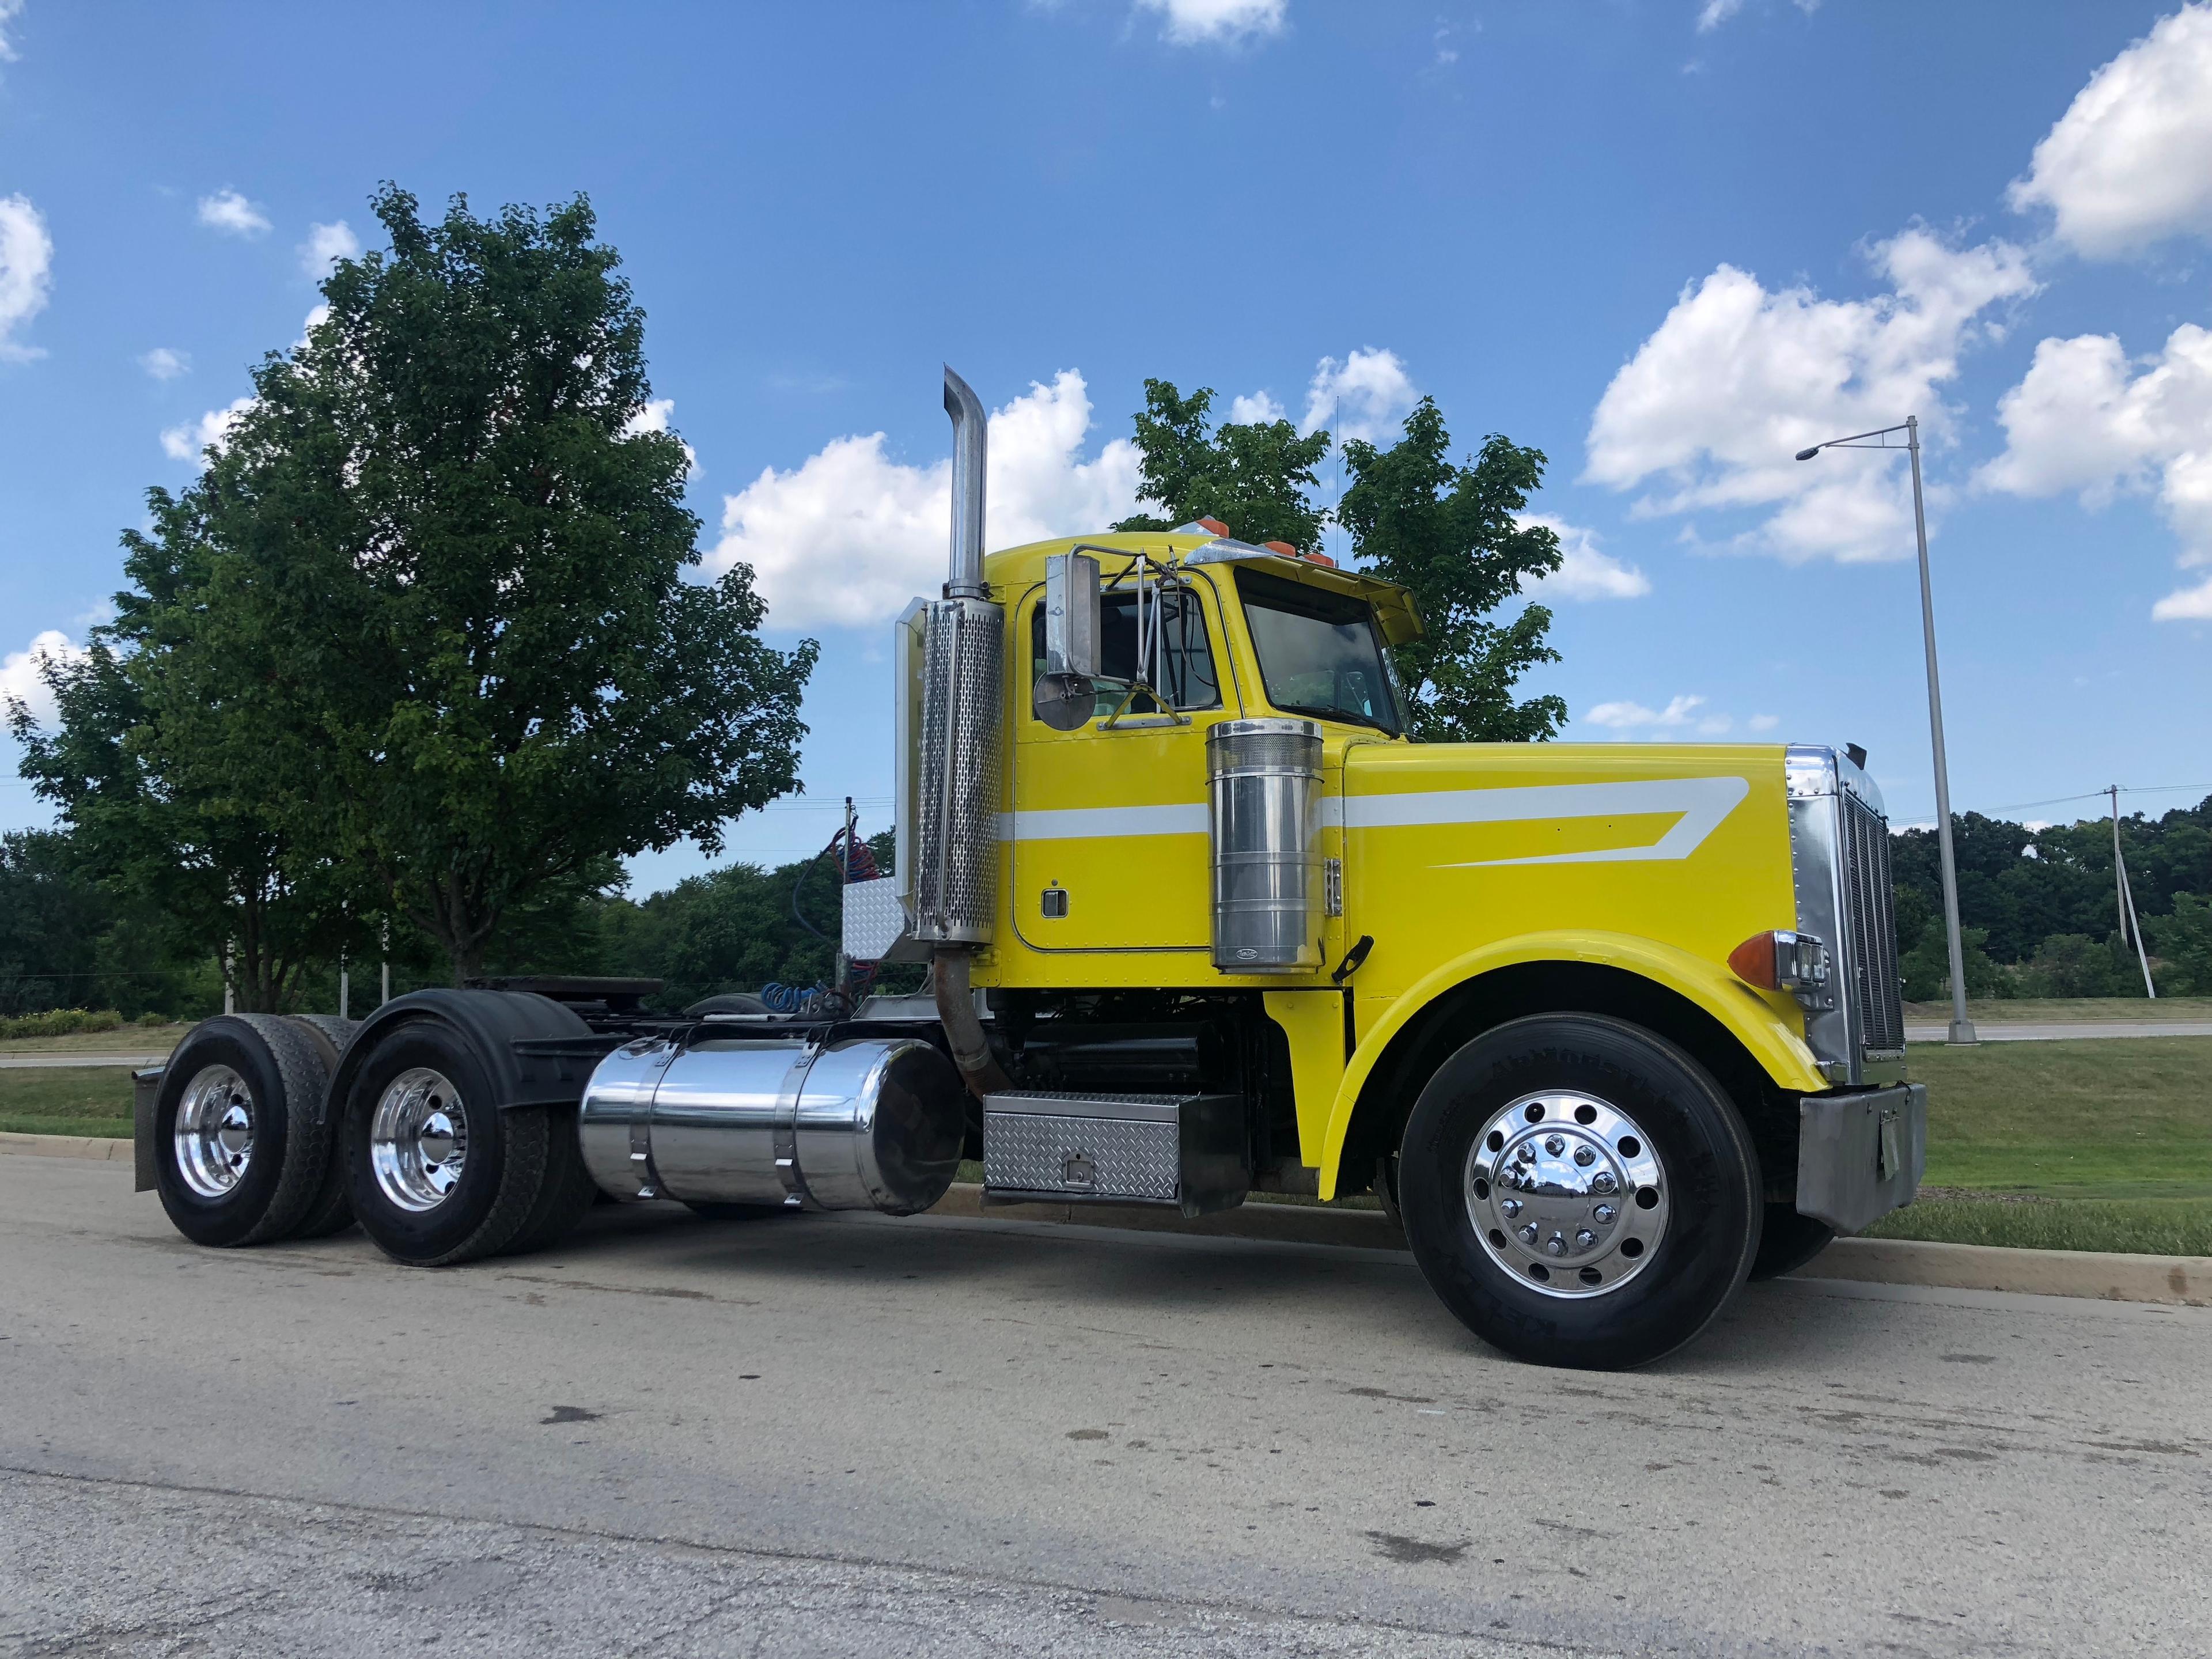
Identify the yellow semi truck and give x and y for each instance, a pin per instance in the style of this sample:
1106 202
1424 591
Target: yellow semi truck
1610 1027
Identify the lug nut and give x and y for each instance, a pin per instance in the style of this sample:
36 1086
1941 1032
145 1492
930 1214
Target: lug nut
1526 1154
1555 1245
1585 1157
1512 1206
1585 1238
1554 1145
1527 1234
1602 1181
1603 1215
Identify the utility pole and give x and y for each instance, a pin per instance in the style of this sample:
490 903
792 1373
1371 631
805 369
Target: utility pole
384 989
2124 895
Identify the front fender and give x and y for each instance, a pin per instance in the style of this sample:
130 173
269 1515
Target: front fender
1761 1024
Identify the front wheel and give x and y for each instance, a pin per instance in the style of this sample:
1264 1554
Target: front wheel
1579 1191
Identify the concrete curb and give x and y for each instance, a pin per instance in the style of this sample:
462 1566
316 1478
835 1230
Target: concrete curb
99 1148
2175 1280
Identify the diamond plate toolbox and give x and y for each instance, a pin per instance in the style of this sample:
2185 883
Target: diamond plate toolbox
1186 1150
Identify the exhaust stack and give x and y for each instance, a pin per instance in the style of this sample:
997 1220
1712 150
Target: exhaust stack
955 869
965 579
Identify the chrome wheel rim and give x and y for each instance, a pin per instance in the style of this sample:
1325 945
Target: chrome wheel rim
418 1140
1566 1194
215 1132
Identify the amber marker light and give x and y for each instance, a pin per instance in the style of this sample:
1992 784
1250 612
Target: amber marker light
1783 961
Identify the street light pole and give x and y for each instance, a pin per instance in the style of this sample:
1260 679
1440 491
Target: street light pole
1962 1028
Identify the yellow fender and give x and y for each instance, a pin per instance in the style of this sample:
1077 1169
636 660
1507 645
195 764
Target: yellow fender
1768 1025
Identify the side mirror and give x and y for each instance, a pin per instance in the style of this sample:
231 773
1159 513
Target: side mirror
1064 696
1071 615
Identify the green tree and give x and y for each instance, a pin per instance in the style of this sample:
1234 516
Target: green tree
179 760
1252 477
467 557
2183 943
1453 536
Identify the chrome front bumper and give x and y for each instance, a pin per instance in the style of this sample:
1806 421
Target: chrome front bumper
1861 1155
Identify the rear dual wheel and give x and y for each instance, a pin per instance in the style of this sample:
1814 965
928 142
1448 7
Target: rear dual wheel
1579 1191
439 1169
242 1149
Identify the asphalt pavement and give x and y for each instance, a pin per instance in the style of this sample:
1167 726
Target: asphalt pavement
851 1434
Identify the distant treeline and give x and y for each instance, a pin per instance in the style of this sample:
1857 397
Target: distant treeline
2037 906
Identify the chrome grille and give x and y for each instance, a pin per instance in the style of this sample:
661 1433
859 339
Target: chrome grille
1870 916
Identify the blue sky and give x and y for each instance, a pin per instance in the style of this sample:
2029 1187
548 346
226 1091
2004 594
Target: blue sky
1667 241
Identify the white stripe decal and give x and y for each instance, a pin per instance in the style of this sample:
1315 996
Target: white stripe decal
1082 822
1702 803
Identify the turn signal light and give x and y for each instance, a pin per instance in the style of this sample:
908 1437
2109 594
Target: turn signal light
1783 961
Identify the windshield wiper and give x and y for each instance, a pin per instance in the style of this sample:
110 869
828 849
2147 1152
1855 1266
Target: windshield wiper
1346 714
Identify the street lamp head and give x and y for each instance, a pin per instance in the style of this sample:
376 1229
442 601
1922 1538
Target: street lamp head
1808 455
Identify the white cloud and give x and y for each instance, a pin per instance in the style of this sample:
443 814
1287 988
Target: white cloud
2080 422
1737 378
1585 572
1195 22
849 535
228 211
27 258
655 416
20 677
1714 13
186 442
164 364
9 11
1634 717
1260 409
1764 722
2129 164
325 245
1367 395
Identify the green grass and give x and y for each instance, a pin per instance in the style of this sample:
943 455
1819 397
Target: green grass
2148 1226
2111 1119
68 1100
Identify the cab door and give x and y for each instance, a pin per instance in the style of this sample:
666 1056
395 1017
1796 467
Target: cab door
1109 830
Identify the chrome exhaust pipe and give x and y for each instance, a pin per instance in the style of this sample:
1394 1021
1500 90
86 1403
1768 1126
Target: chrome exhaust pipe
956 874
970 430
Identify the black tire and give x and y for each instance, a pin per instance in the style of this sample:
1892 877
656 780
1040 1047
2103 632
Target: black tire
331 1211
1789 1241
1711 1223
503 1173
568 1189
282 1172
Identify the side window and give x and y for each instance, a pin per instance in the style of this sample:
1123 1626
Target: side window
1187 672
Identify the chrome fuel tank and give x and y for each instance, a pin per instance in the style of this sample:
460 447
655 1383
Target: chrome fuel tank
870 1123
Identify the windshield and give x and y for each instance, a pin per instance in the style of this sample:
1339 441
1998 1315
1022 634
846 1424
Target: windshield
1318 652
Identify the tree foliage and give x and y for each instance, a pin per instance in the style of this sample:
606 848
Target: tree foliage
1454 536
180 758
436 577
1252 477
